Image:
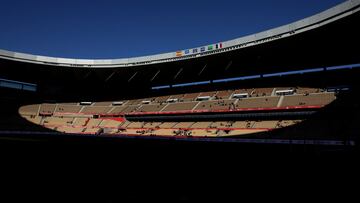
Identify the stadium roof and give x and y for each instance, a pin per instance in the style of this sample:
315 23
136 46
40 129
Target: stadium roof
323 40
315 21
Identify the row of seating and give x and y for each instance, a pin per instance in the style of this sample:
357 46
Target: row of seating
317 99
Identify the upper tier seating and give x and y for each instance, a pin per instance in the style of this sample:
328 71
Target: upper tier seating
47 108
102 104
151 107
180 106
68 109
305 90
225 94
58 121
29 109
190 97
261 92
216 105
309 100
96 109
263 102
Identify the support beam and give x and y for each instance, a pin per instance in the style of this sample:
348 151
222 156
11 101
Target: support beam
153 78
178 73
110 76
202 70
228 66
132 77
87 75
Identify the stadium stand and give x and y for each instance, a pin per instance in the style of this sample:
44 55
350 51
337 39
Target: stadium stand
263 102
309 99
180 106
216 105
62 108
47 108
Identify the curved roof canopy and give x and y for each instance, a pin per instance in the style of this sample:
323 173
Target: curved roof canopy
333 14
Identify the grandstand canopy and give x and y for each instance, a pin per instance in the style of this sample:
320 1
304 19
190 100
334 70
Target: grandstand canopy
322 40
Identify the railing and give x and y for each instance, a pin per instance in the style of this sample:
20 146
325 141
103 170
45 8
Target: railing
18 85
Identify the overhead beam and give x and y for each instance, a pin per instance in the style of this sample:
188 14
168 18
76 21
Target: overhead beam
110 76
132 77
202 70
178 73
228 65
156 74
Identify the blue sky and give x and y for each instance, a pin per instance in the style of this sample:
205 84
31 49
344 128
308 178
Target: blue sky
126 28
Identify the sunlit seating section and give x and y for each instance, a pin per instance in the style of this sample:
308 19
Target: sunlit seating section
135 101
65 108
124 124
96 110
306 90
224 124
244 132
94 122
208 94
202 133
216 105
183 125
130 109
225 94
47 108
264 102
151 107
33 119
58 121
152 124
262 92
92 130
109 103
69 129
108 123
286 123
243 124
162 99
167 125
80 121
191 96
243 91
180 106
177 96
29 109
201 125
284 88
265 124
165 132
136 125
320 99
117 110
